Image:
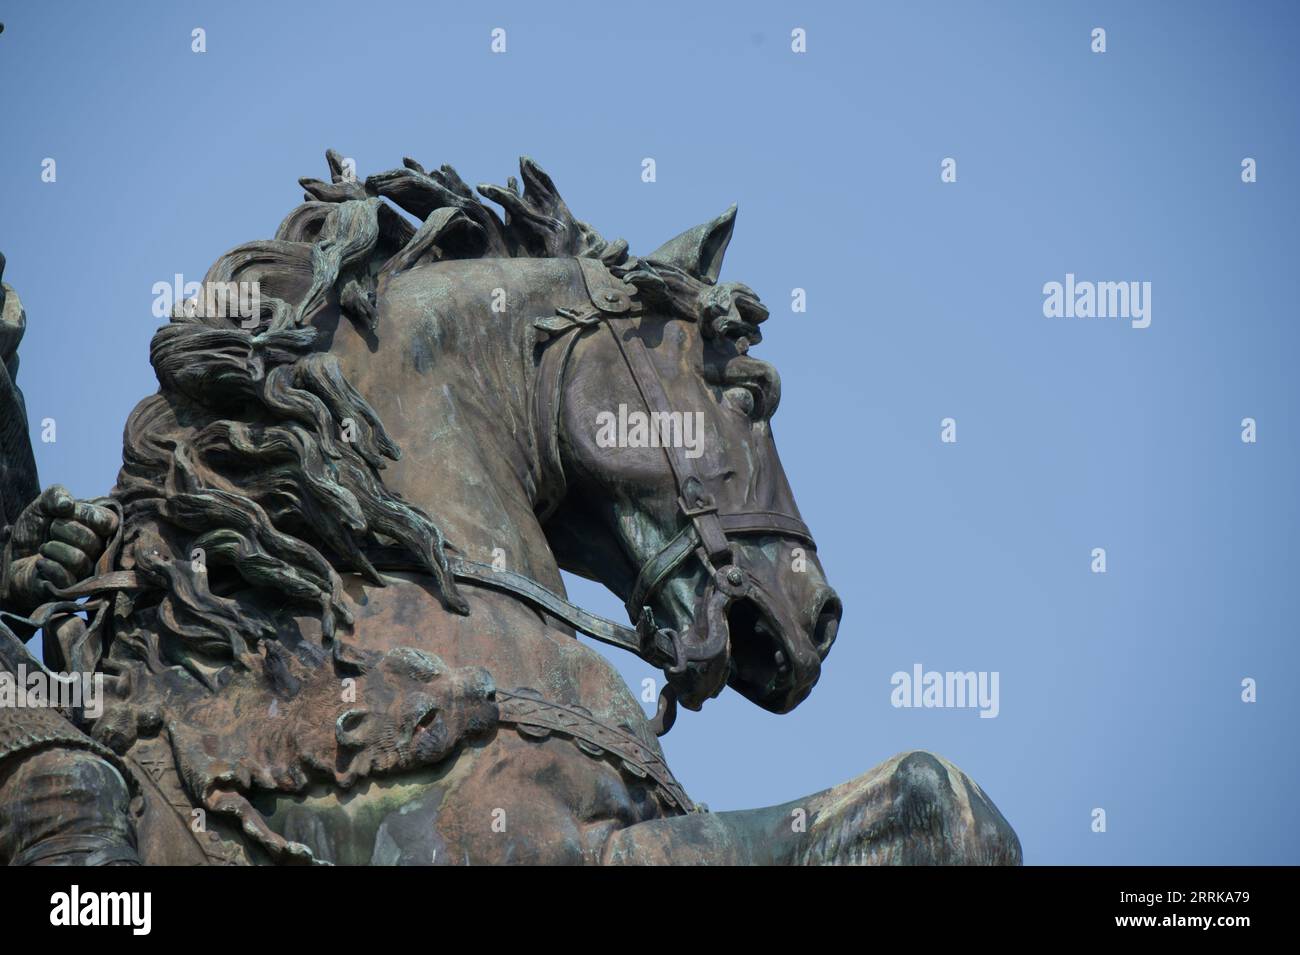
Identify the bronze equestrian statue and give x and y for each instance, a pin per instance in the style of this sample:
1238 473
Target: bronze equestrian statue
324 597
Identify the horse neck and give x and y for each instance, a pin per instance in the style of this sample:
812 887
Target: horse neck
454 390
489 446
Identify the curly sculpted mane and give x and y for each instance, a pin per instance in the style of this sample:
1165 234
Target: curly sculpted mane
253 476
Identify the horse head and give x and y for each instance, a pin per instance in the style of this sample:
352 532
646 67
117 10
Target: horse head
676 497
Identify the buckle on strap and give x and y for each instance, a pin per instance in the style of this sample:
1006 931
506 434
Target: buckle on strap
704 505
606 292
698 506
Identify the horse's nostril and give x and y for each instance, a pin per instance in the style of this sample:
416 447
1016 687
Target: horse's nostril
827 624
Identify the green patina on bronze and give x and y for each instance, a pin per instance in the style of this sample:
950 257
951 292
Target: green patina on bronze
325 593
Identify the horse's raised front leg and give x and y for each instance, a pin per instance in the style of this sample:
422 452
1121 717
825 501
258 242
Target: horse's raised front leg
913 809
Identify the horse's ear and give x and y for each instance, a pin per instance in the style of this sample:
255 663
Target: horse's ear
699 251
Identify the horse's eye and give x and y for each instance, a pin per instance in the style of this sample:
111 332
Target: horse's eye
741 399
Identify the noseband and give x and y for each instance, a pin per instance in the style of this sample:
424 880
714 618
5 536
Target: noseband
706 532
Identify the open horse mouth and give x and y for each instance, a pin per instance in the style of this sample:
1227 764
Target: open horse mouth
771 668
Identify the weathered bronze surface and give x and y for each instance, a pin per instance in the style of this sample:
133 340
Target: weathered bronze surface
325 594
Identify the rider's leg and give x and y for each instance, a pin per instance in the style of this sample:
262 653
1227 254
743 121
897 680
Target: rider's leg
64 807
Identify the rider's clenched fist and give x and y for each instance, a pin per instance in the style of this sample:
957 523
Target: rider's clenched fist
55 543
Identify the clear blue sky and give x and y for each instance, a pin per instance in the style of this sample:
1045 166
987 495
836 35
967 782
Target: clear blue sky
1119 691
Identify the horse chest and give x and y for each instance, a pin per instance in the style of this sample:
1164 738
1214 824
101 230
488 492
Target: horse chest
507 638
523 794
505 800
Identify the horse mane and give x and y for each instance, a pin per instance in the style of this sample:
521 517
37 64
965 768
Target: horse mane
254 475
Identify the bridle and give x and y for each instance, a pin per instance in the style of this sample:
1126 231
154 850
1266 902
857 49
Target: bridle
706 532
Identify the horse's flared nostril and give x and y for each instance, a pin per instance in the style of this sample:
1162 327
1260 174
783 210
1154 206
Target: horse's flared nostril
827 624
